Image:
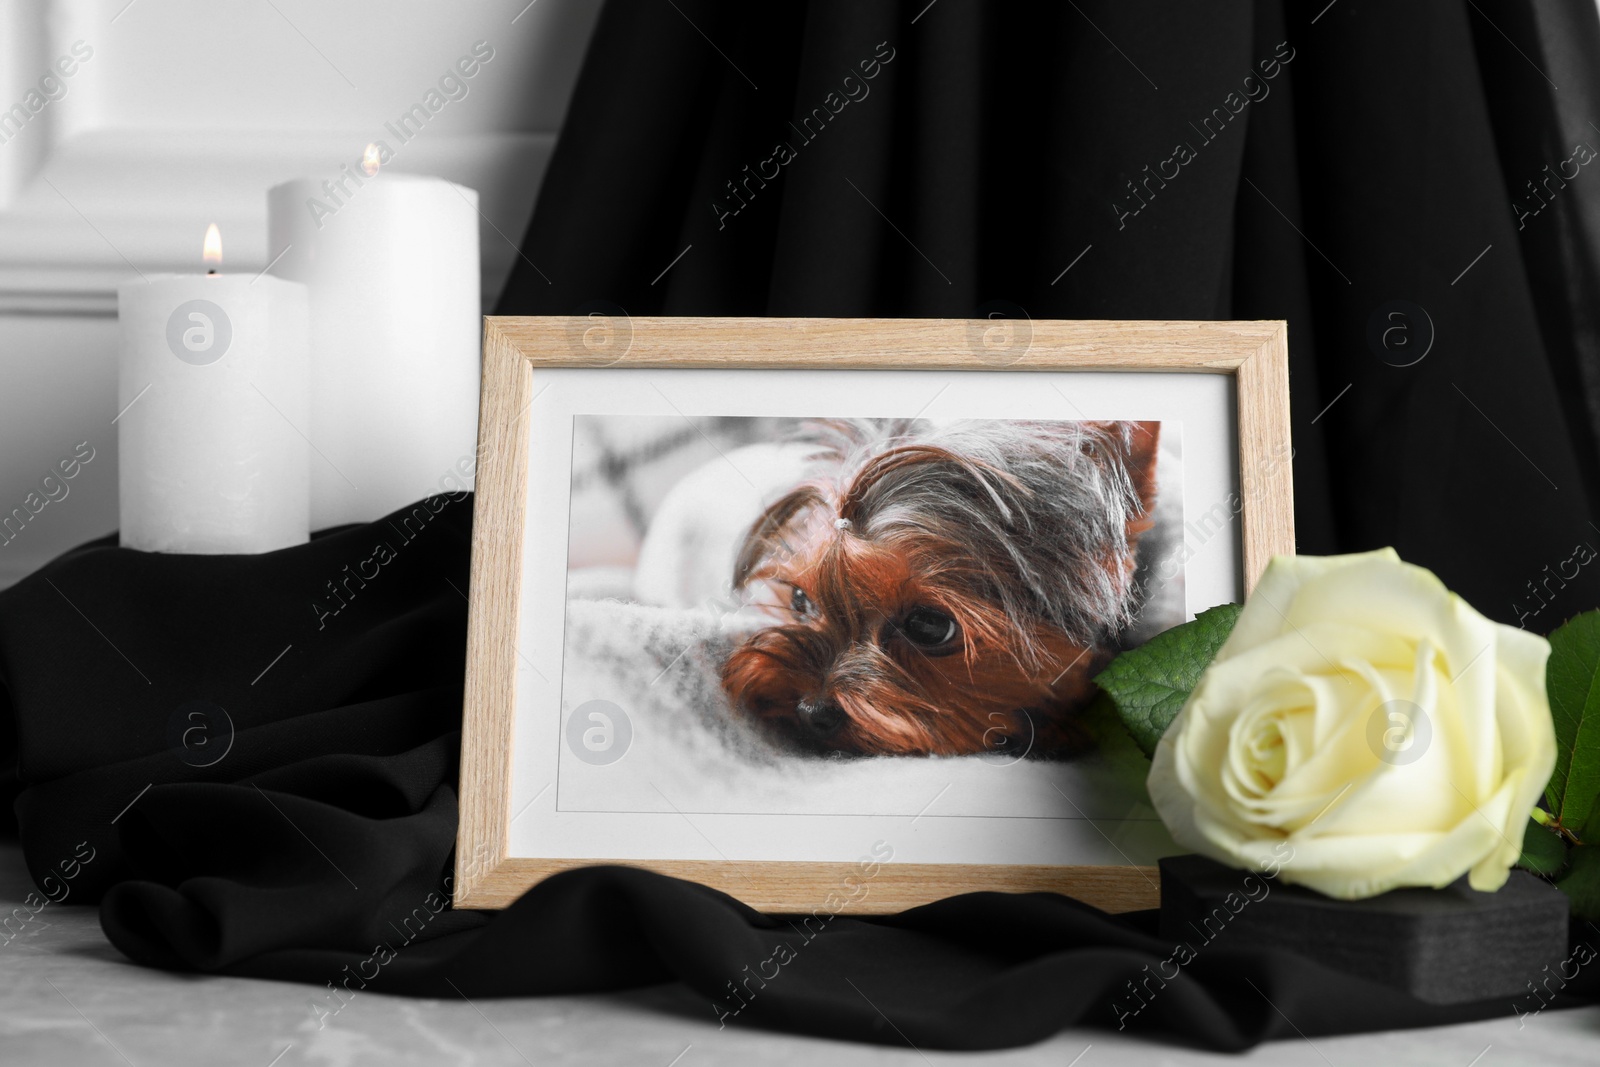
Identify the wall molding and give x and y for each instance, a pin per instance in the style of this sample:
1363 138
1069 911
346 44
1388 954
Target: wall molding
107 206
187 114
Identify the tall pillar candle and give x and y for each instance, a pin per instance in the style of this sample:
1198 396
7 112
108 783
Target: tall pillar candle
391 263
211 394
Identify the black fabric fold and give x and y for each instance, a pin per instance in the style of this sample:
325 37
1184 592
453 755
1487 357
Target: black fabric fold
981 971
1008 161
318 671
319 848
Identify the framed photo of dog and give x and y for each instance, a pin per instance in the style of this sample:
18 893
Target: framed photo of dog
809 610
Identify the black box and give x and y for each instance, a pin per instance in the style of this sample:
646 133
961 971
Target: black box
1445 946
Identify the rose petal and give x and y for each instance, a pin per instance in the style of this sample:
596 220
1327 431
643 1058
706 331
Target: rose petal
1284 732
1277 588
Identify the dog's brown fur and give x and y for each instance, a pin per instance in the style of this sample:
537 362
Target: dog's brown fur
1021 535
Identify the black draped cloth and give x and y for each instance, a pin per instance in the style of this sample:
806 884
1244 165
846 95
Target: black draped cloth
308 835
252 785
1110 160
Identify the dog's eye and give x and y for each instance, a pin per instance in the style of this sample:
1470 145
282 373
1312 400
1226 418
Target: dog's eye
928 629
799 603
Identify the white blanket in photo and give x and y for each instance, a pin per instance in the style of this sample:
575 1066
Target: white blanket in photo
691 752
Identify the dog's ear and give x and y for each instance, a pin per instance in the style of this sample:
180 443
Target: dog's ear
1138 449
766 539
1144 448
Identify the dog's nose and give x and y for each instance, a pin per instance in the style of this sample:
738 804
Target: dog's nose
822 717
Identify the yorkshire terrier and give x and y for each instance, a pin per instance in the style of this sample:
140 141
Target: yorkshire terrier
943 590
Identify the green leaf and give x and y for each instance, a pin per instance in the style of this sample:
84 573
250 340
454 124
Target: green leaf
1119 767
1572 679
1149 684
1581 883
1543 851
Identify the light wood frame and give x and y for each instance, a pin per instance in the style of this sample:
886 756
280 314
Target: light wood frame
1255 354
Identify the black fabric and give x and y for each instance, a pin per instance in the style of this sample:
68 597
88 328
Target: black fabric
993 150
981 174
317 848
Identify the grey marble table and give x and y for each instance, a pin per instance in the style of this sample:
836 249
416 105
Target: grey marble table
67 997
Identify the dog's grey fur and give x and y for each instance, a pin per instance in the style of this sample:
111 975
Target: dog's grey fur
1039 509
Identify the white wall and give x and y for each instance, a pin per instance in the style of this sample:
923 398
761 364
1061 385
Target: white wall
184 113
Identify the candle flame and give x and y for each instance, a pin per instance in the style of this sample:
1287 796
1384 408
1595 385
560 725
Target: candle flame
369 160
211 253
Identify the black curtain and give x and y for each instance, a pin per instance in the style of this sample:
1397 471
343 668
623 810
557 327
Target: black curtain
1444 350
1368 182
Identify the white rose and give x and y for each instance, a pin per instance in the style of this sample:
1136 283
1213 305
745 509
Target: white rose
1371 719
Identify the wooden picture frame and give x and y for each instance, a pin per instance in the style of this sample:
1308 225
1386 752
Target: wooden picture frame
515 352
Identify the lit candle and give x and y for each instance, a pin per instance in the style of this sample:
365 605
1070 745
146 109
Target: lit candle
211 399
391 262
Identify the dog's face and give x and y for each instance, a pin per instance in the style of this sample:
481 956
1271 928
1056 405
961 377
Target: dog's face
943 592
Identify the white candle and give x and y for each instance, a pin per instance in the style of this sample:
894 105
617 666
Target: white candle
211 395
391 262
